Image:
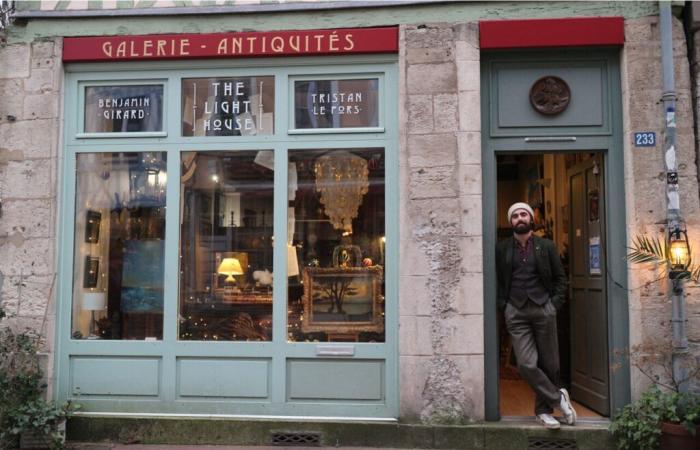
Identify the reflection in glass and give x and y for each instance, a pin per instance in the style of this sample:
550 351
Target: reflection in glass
243 106
336 103
119 246
336 237
226 246
122 109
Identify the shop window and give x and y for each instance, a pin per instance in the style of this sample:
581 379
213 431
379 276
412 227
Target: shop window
243 106
123 109
337 103
226 246
336 245
119 246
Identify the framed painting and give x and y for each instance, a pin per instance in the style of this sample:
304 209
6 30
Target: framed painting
343 300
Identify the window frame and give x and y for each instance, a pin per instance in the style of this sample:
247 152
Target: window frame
278 350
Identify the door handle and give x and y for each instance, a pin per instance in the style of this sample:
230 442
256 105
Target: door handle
551 139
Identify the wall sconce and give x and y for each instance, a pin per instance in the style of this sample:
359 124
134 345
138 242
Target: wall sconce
679 251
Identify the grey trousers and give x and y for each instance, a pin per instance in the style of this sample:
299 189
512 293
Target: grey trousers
533 331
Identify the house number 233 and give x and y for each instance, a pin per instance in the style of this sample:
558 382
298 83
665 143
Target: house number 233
646 139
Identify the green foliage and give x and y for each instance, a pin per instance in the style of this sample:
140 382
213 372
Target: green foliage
637 425
22 405
647 249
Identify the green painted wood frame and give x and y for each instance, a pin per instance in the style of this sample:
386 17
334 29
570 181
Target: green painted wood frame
609 141
277 352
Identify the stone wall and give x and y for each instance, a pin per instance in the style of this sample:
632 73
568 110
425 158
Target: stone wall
440 296
30 83
642 85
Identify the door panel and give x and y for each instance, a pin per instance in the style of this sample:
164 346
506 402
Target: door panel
589 346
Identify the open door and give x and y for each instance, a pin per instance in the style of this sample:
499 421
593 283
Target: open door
587 274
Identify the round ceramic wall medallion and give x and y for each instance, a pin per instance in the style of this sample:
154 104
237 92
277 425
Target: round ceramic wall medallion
550 95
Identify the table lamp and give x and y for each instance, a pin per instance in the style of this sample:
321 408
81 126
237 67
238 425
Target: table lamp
94 301
230 267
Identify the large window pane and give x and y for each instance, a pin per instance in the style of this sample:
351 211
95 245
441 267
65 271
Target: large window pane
243 106
336 245
226 246
119 245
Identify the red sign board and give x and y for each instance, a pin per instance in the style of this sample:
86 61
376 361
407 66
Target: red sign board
231 45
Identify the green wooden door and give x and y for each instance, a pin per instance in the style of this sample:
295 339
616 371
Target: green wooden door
587 274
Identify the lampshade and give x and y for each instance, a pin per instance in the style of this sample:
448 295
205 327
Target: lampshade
94 301
230 267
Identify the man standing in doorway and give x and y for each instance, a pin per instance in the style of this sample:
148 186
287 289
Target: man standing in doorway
531 286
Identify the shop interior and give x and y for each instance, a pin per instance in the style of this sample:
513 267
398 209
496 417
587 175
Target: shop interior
542 181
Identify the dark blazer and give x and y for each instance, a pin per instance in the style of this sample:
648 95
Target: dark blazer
549 268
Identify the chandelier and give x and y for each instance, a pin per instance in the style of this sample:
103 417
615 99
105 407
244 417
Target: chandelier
341 179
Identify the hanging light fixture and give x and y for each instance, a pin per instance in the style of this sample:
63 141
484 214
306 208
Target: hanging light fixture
342 181
679 250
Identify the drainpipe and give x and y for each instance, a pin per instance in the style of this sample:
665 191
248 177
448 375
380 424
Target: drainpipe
673 209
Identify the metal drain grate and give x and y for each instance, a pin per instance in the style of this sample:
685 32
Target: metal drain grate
296 439
538 443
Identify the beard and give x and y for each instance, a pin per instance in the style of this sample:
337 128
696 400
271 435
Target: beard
523 228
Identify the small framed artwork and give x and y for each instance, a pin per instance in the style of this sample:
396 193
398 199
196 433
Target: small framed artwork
91 271
343 299
92 226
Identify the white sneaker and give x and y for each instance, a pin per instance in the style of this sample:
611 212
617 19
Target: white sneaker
566 408
548 421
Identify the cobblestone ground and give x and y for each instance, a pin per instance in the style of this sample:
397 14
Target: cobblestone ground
203 447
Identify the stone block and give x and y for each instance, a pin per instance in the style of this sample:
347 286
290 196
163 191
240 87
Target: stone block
429 36
22 136
466 51
472 216
414 297
31 218
469 298
468 32
42 63
427 150
471 373
42 49
470 179
432 182
429 55
41 106
29 257
415 336
11 104
31 293
472 252
41 80
414 261
464 334
413 373
420 114
425 79
445 108
469 147
641 30
439 216
27 179
468 75
14 61
469 111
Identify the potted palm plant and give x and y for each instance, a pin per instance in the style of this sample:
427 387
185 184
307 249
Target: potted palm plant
666 416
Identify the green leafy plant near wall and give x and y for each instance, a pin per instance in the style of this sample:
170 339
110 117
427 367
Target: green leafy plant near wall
644 424
23 408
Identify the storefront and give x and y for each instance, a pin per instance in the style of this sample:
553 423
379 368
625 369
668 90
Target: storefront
290 210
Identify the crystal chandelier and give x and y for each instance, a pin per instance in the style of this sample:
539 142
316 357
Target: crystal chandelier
341 179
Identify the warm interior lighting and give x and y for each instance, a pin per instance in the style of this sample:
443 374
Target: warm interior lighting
230 267
679 252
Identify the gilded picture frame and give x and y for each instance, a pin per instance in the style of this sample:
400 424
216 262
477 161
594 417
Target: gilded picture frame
343 300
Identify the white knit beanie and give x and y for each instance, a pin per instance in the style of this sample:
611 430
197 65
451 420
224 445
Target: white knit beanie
520 205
